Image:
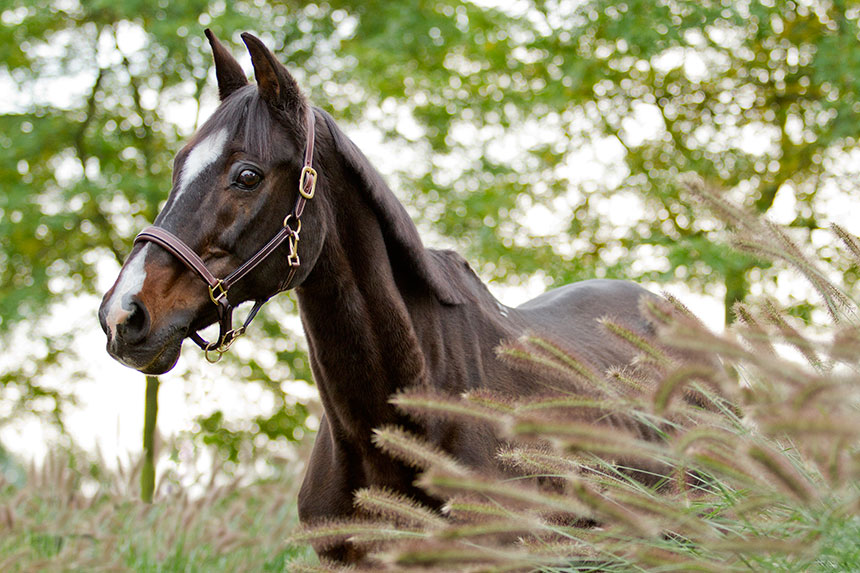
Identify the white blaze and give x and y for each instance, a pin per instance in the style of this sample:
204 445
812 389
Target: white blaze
133 274
130 282
202 156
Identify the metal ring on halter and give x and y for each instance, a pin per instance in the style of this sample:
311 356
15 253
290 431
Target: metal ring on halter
224 345
287 224
209 359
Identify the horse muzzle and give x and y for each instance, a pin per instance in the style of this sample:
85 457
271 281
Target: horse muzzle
132 341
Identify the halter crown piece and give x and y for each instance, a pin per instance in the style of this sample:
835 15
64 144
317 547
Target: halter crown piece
218 288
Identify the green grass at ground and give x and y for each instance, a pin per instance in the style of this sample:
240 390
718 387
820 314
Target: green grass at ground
72 516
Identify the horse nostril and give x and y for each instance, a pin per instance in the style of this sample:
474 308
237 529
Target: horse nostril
135 327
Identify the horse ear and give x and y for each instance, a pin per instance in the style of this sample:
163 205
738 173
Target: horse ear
230 74
277 87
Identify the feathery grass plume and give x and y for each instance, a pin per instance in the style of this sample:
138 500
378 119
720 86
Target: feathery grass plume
634 381
774 370
612 510
835 301
724 209
573 554
90 519
724 437
814 424
397 507
578 367
836 467
845 347
725 465
779 467
540 460
679 380
668 312
824 391
849 240
651 353
545 371
649 557
424 404
491 400
531 355
328 534
831 294
763 238
684 336
790 334
464 558
750 329
571 404
665 511
583 437
471 509
415 451
762 546
512 525
521 494
679 307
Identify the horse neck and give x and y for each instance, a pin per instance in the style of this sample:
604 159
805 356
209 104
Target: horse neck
358 322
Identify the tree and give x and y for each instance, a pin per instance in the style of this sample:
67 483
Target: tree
582 111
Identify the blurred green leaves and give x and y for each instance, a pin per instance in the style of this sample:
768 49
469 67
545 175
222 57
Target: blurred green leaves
488 113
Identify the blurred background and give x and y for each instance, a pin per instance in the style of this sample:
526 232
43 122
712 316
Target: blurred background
543 140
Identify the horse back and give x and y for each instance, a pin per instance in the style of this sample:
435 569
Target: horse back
571 315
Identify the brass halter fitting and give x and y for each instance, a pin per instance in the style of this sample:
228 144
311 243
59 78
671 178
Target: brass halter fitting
222 292
307 170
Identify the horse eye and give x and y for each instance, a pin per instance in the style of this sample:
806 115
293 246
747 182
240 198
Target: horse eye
248 179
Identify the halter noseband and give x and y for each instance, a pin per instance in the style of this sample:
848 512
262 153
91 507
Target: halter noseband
218 288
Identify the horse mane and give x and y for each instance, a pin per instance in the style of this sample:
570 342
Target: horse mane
401 236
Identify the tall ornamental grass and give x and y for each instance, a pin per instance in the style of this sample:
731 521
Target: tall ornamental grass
74 514
731 451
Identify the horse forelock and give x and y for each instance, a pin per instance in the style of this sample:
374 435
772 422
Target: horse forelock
243 123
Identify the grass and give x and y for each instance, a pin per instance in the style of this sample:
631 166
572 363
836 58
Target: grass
680 463
73 515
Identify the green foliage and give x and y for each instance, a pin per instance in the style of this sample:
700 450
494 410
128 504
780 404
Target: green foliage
563 107
751 462
287 422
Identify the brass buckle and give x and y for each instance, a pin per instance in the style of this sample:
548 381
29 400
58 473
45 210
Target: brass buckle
308 170
221 294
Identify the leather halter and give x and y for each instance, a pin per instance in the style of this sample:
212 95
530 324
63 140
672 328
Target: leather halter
218 288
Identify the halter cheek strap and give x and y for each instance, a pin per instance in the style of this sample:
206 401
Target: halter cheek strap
218 288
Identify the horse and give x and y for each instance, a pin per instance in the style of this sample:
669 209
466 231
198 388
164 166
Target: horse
381 313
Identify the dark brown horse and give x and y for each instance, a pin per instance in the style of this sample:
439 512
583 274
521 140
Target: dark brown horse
380 311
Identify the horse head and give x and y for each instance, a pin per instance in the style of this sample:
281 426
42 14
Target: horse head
234 183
